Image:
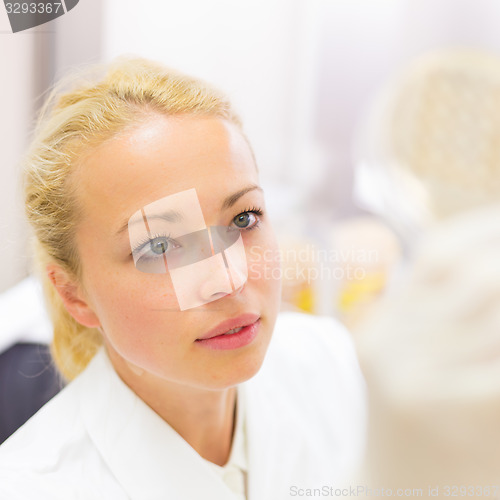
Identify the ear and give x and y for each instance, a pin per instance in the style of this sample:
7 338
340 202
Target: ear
73 299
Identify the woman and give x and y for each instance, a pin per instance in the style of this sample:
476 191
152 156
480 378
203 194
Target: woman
160 270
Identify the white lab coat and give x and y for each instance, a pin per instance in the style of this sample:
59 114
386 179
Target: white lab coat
305 417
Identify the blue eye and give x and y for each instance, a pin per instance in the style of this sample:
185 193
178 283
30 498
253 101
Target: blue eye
154 247
248 219
159 245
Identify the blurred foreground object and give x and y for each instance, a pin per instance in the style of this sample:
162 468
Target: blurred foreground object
430 147
431 358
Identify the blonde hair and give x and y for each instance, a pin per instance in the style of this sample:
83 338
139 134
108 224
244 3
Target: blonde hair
71 123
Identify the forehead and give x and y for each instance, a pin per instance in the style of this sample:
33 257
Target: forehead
163 156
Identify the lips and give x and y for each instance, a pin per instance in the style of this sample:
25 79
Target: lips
227 327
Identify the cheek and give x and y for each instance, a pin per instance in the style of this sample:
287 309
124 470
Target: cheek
264 266
134 308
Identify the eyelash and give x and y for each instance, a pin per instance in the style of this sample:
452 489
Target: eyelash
253 210
140 245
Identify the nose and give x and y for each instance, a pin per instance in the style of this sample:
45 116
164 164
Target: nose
235 259
220 282
216 282
238 273
232 275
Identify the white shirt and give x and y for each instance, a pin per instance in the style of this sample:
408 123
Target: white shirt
234 472
304 418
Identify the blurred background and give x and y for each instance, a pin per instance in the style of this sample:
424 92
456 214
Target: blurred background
303 75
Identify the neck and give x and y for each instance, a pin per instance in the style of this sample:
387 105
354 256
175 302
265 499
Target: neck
203 418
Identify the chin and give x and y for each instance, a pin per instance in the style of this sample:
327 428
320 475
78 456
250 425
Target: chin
239 371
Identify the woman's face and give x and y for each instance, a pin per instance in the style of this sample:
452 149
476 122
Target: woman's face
139 312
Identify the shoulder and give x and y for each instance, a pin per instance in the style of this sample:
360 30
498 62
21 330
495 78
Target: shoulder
51 455
49 426
313 357
295 329
314 346
312 378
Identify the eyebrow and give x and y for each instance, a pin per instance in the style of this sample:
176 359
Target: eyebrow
174 216
232 199
169 216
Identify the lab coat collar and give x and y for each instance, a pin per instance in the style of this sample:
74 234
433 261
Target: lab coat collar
124 428
148 458
276 442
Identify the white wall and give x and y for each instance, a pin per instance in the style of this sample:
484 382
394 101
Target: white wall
301 73
246 48
363 42
29 60
16 102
